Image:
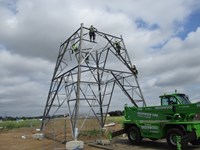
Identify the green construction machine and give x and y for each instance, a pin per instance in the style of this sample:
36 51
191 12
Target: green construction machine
174 119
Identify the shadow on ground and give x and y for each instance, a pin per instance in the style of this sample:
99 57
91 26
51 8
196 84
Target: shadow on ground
121 142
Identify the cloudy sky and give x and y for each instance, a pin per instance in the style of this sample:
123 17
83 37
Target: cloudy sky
162 38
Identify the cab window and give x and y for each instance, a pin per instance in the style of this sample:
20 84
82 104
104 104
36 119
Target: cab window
168 100
172 100
164 101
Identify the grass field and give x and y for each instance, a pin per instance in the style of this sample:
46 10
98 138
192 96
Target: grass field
57 132
59 129
31 123
116 119
89 124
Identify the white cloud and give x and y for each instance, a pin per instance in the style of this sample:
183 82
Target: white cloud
174 66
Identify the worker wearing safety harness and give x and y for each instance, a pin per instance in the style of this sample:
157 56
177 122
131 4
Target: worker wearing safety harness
134 70
92 33
74 48
118 46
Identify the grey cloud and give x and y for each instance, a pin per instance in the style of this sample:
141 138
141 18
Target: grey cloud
31 33
24 82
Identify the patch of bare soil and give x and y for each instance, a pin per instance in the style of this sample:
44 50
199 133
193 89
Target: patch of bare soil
21 139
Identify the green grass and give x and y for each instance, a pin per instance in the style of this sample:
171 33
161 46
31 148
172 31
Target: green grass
96 132
34 123
116 119
23 123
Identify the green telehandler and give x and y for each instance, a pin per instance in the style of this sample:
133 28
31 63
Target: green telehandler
174 118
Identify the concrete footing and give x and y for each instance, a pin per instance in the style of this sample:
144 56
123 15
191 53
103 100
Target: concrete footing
75 145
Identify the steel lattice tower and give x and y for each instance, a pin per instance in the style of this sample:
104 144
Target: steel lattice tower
88 77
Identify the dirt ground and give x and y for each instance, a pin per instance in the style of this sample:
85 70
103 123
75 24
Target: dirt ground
21 139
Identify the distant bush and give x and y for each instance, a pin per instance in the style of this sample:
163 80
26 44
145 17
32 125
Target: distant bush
116 113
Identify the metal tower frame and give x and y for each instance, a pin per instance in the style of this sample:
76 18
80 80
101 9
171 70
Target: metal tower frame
87 77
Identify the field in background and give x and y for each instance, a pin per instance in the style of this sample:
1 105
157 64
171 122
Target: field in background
29 123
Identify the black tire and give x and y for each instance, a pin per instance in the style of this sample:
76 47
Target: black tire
134 135
171 137
195 142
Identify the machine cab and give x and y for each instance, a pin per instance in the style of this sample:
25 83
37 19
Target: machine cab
175 98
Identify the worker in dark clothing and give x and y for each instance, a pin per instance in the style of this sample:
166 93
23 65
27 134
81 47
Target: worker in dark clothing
134 70
92 33
170 102
118 46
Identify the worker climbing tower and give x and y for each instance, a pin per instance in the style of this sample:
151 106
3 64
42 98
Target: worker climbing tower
88 75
